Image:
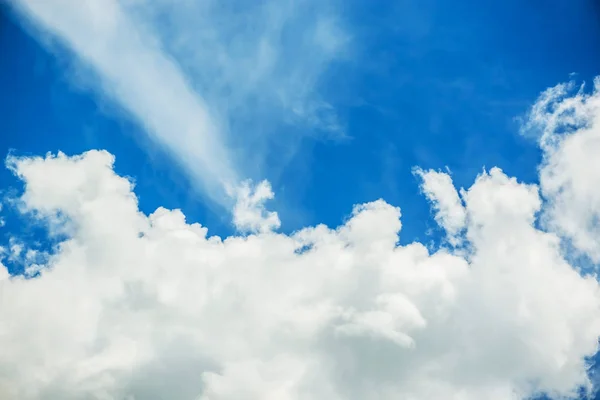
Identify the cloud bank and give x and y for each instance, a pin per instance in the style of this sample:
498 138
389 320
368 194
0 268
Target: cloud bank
135 306
207 80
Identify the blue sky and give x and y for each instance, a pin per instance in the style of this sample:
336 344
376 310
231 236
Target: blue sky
427 83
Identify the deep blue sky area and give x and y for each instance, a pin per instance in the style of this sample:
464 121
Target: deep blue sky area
427 83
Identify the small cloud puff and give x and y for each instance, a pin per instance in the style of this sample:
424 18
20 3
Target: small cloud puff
249 213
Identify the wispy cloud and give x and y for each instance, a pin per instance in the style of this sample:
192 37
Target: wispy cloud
206 79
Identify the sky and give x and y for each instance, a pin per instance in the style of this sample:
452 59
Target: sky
299 199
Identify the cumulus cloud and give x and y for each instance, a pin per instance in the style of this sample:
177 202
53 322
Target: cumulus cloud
135 306
207 79
566 119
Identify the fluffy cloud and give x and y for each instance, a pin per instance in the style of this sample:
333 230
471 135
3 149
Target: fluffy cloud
568 124
135 306
249 213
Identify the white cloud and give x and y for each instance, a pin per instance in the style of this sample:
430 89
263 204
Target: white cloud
567 122
249 213
450 213
206 79
146 82
132 306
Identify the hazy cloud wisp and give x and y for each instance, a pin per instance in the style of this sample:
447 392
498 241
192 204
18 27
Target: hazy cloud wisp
211 82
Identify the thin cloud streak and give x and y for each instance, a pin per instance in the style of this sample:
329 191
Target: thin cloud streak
135 72
209 84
